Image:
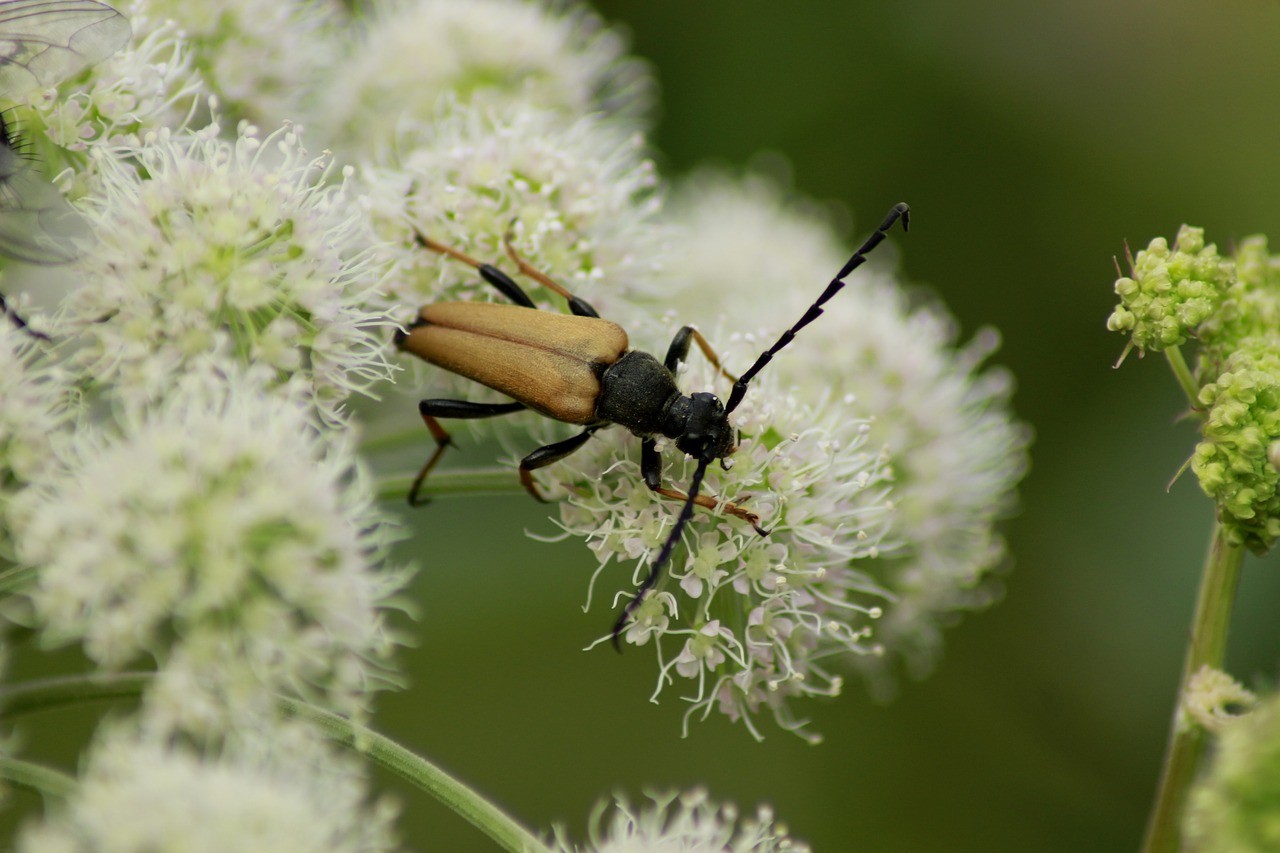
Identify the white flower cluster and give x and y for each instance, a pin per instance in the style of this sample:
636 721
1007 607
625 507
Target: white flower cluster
279 789
498 56
261 59
227 249
687 821
223 534
577 198
748 622
179 485
150 84
943 421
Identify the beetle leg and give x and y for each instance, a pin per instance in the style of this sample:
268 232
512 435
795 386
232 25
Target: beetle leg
679 351
502 282
577 305
459 409
544 456
651 469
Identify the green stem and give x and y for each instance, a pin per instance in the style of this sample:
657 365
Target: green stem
50 693
1207 646
16 579
389 441
422 774
475 481
37 779
1182 373
46 694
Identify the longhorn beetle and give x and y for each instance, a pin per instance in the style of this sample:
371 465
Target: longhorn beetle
580 370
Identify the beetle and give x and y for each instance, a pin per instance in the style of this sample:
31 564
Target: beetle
579 368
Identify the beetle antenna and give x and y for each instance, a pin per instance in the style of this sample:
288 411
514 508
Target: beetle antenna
899 211
686 513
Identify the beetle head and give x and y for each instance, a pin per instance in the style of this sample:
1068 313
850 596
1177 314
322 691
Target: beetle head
707 434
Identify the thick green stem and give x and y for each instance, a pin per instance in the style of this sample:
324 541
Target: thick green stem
16 579
45 694
1207 645
475 481
422 774
38 779
51 693
389 441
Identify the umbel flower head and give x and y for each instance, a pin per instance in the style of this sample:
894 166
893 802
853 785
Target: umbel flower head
494 55
262 58
577 198
1236 460
149 84
759 258
223 534
237 249
1171 291
744 624
689 821
273 786
1231 308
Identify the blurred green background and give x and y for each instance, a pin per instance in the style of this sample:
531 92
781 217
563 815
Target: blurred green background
1031 140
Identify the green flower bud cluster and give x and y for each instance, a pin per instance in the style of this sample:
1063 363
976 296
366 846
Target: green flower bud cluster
1231 307
1173 290
1252 304
1241 428
1237 805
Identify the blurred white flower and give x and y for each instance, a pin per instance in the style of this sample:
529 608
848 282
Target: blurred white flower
236 249
1214 700
262 58
1235 804
223 534
577 197
682 823
495 55
36 400
275 788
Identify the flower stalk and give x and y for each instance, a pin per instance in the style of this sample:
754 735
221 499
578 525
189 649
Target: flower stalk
422 774
453 483
1207 646
29 776
1182 372
49 693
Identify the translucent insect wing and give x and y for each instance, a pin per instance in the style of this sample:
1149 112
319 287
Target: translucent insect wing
37 225
43 42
